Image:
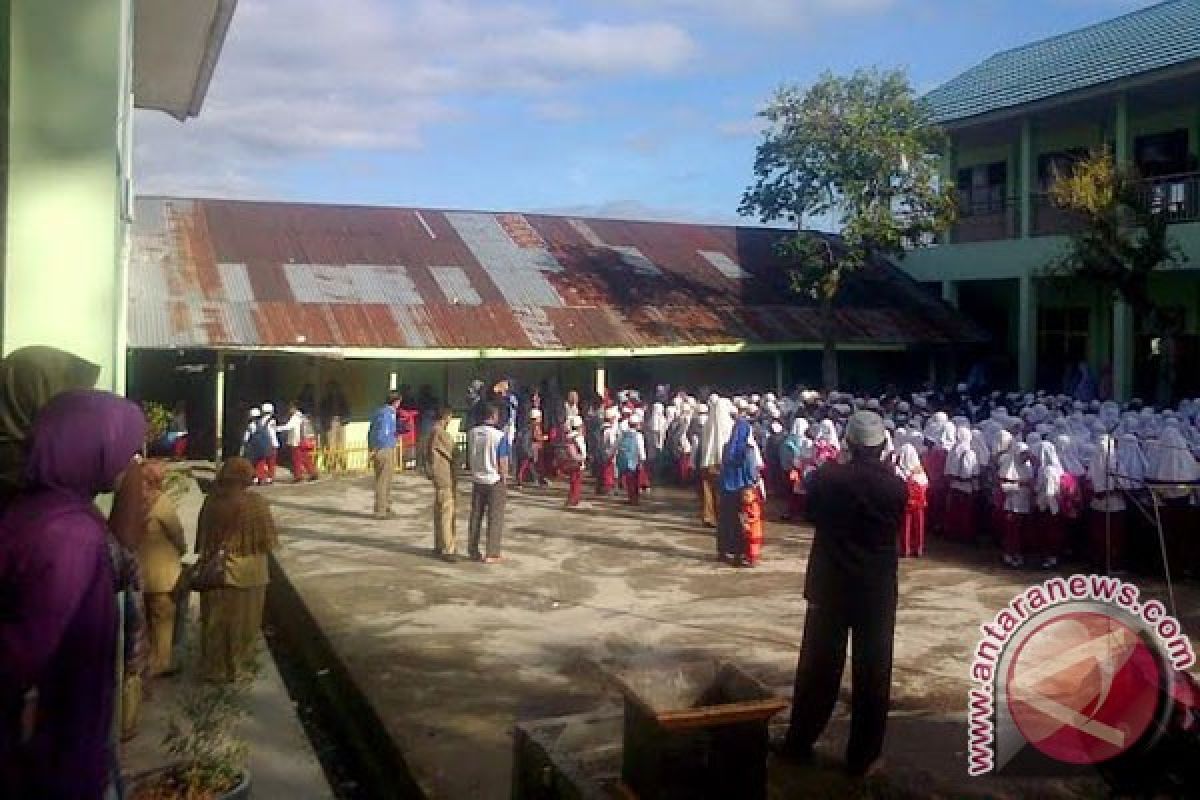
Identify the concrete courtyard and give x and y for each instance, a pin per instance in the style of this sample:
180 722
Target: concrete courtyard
451 656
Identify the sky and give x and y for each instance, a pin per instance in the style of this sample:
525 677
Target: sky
638 109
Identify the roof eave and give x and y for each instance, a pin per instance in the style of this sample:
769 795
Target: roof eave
1141 81
170 75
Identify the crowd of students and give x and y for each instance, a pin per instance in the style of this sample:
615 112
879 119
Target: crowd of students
1044 477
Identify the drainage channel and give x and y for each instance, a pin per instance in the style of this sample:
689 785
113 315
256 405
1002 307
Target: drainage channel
360 760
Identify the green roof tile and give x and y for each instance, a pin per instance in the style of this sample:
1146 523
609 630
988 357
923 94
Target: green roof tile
1159 36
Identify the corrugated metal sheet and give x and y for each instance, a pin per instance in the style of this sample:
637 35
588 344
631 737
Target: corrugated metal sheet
219 273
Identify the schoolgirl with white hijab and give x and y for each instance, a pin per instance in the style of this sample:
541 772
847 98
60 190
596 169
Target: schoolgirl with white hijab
962 481
1174 478
912 532
1106 520
1015 475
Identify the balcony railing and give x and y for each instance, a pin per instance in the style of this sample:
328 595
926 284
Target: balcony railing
984 217
1177 196
987 219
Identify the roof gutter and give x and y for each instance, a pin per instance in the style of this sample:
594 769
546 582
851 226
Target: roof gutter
499 353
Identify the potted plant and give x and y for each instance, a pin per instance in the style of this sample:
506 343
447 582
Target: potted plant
202 737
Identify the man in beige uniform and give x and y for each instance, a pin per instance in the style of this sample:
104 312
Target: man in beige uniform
439 466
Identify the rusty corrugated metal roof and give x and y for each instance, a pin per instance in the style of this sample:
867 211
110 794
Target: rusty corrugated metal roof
223 273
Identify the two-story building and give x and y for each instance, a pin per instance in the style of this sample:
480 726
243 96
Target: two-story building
1131 84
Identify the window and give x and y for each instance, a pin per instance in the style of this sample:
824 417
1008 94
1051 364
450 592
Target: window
983 189
1062 342
1052 166
1161 154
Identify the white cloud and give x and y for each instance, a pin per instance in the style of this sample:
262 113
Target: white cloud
765 13
637 210
558 111
307 77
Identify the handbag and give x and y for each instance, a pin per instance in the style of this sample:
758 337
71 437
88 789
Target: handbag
210 573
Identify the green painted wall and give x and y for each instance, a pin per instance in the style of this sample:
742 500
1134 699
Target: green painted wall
69 65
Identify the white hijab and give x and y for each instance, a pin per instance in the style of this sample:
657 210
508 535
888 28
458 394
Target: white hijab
962 463
1131 462
1049 477
1068 455
718 428
1175 463
908 465
1103 465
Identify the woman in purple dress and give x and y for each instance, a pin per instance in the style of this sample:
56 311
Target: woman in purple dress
58 614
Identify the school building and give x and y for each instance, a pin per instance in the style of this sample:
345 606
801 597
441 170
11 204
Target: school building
233 303
71 74
1132 84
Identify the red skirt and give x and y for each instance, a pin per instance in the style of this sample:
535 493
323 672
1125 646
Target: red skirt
752 524
1013 533
912 533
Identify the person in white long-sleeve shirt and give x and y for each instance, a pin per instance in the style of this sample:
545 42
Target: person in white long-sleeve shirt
302 443
576 457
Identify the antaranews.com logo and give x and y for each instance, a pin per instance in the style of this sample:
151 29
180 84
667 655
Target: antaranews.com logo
1079 668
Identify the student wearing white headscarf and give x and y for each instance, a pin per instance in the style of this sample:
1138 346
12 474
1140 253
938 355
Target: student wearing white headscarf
1059 503
912 533
1174 475
1015 475
656 438
1106 522
713 438
940 436
962 481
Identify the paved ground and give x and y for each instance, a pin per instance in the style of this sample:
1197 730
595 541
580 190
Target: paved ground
450 656
281 760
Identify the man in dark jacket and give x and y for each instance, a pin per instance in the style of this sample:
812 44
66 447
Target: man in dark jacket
856 509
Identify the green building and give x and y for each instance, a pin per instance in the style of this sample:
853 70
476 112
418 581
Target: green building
1131 84
71 73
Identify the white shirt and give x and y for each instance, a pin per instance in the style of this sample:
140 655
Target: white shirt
484 444
292 429
580 443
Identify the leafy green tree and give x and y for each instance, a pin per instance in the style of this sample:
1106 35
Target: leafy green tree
861 150
1120 239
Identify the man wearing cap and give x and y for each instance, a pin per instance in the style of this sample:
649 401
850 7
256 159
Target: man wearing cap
856 509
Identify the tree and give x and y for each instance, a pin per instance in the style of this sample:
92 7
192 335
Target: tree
1121 239
863 150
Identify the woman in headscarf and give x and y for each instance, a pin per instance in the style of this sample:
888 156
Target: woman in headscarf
912 533
29 378
1057 502
962 476
713 438
795 459
159 553
827 446
739 530
239 523
58 631
1106 522
1175 475
1016 483
656 440
939 439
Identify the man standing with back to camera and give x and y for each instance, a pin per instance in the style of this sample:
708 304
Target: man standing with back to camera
851 588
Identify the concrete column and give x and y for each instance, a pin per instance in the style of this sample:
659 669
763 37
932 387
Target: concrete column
1122 350
1025 179
220 406
779 374
950 176
950 292
1027 333
601 378
1121 131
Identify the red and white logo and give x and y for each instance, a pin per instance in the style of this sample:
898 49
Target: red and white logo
1083 688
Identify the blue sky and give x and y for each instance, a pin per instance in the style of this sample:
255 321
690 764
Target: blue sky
629 108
